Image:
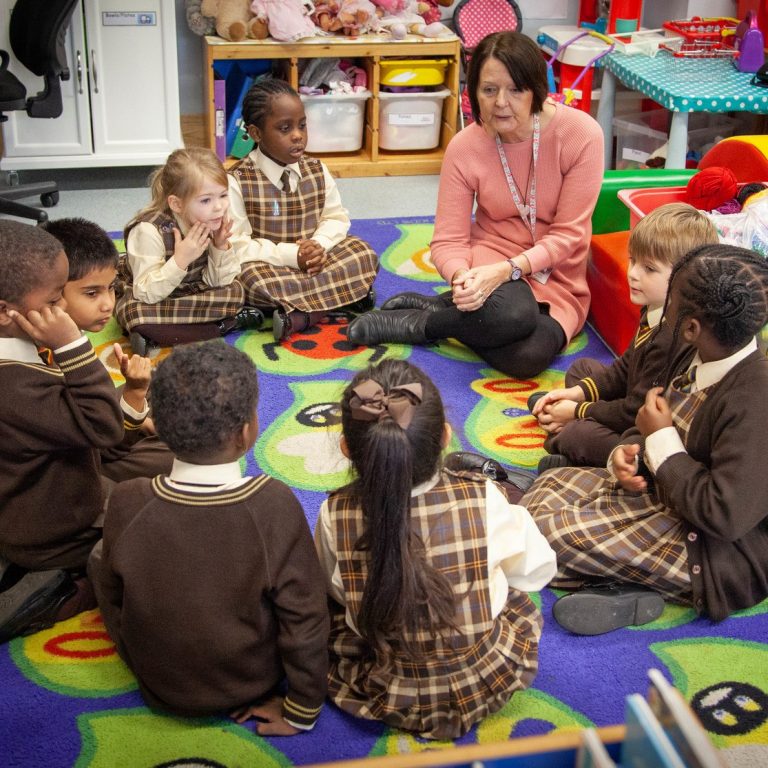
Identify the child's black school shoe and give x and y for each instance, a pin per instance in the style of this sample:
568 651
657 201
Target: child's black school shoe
553 461
601 609
33 602
465 461
248 319
366 304
534 398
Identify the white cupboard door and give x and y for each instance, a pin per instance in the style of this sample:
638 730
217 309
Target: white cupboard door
39 139
133 79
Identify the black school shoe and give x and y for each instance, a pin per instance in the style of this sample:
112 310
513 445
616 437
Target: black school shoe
601 609
534 398
33 602
553 461
366 304
465 461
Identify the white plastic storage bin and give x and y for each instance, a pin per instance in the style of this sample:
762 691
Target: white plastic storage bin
335 121
639 135
411 120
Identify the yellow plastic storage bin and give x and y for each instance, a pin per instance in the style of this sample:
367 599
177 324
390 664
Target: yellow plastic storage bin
413 72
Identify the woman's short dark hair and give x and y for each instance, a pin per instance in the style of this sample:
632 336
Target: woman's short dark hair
522 58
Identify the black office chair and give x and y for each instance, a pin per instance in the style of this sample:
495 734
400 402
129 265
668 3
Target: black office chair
37 31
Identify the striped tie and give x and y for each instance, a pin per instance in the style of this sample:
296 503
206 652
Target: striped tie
687 380
285 179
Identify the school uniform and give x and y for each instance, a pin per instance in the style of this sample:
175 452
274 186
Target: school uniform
698 535
53 421
210 587
271 213
154 290
492 555
613 394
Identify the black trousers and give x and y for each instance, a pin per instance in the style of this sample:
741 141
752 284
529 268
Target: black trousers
511 331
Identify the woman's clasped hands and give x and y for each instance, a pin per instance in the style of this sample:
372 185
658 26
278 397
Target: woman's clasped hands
471 287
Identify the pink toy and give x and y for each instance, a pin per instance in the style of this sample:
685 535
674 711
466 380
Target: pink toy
408 20
288 20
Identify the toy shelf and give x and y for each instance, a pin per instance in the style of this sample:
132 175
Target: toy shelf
369 50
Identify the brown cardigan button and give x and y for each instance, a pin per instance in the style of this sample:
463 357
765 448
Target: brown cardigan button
692 536
696 570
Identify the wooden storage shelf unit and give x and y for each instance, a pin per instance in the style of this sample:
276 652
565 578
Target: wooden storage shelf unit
369 50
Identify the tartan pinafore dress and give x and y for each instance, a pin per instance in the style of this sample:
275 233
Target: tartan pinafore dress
600 531
285 217
192 301
465 674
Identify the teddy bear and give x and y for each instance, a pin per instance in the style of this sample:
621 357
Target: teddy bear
199 24
234 20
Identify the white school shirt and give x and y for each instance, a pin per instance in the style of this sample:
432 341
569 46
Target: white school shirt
331 230
518 555
155 277
666 442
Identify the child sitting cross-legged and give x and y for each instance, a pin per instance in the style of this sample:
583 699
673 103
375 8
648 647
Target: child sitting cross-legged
427 568
585 420
680 513
208 581
90 302
54 417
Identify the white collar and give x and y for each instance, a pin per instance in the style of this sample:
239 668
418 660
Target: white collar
208 475
418 490
710 373
653 316
272 170
20 350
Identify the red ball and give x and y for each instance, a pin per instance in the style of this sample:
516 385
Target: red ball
712 187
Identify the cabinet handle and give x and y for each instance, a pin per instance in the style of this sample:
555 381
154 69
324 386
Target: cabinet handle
79 58
93 70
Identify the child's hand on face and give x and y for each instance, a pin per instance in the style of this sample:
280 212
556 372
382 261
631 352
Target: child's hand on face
576 394
556 415
188 248
311 256
49 327
222 234
654 414
271 712
137 371
624 466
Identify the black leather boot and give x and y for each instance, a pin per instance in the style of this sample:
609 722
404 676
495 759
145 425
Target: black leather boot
411 300
400 326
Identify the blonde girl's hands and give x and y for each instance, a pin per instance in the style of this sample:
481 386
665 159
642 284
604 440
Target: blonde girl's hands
624 466
49 327
654 414
270 713
311 256
472 287
220 237
192 245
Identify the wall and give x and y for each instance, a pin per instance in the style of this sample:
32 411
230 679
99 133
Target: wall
536 13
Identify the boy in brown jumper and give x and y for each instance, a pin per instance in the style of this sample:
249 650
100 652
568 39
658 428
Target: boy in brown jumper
53 420
208 581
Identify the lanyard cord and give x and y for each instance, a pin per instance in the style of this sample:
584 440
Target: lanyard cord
527 212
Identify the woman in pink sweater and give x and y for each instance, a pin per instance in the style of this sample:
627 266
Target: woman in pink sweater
517 271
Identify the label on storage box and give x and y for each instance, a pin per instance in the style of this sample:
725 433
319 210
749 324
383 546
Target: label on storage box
635 155
415 119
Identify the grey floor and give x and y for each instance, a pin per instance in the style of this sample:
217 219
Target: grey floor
110 197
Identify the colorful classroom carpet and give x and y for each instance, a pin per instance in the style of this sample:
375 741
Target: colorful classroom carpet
67 699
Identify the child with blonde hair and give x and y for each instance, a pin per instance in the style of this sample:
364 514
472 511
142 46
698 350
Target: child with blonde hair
428 569
584 421
179 271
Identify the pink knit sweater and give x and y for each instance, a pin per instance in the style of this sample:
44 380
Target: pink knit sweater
568 179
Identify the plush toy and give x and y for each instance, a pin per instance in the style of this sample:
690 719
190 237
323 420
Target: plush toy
429 10
349 17
234 20
401 17
199 24
711 187
287 20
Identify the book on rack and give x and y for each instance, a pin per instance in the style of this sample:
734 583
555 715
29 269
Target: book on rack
680 723
592 752
646 745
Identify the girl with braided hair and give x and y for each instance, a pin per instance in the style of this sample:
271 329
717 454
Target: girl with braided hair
428 569
680 512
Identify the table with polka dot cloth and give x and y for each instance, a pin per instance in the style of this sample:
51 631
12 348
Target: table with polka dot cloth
682 85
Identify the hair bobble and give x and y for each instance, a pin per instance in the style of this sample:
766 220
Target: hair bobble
369 402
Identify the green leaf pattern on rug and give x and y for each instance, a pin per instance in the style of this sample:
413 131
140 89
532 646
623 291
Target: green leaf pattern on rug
139 737
409 256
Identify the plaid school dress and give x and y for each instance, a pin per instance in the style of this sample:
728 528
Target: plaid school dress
192 301
600 531
465 674
285 217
